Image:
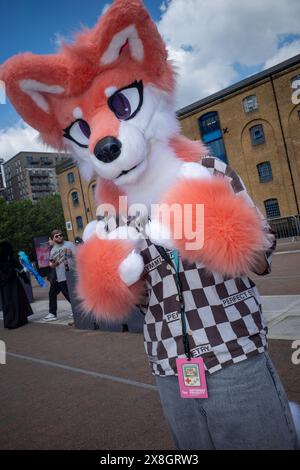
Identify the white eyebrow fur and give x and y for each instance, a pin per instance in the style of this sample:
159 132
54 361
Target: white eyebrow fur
77 113
110 91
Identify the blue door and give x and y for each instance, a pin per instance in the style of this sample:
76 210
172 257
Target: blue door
212 135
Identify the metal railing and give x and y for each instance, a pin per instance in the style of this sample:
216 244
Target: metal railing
286 227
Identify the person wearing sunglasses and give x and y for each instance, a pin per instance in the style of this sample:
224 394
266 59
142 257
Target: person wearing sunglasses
60 259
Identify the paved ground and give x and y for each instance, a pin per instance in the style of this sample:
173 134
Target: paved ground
67 402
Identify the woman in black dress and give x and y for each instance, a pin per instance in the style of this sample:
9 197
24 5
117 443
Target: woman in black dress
15 305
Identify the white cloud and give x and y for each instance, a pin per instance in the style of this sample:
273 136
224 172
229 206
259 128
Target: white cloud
20 137
285 52
196 81
208 38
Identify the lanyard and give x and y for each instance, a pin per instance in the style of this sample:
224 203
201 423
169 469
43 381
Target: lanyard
176 260
175 264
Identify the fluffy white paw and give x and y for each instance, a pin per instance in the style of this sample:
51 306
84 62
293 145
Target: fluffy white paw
89 230
159 234
131 268
194 170
101 231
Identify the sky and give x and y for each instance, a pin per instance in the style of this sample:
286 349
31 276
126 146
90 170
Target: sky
213 43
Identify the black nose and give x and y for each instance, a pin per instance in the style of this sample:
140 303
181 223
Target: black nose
107 149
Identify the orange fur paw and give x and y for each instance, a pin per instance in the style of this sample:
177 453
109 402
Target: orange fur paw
232 231
100 286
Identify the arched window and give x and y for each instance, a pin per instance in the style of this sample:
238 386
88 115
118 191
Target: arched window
272 208
79 222
211 134
250 103
70 177
75 198
209 123
264 172
257 135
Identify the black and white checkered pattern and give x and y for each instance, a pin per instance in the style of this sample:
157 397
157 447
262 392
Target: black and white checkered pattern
223 315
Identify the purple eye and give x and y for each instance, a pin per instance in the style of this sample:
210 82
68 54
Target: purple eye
79 132
126 102
85 128
121 106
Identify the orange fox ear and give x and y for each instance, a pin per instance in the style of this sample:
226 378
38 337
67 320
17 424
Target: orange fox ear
30 81
127 22
126 31
127 37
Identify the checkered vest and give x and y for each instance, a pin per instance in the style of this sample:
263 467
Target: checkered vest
223 316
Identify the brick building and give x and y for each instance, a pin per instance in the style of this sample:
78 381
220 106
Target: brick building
77 197
254 126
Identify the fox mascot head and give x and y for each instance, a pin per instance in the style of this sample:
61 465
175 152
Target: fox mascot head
108 98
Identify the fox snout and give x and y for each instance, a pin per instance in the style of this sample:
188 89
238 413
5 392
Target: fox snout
107 149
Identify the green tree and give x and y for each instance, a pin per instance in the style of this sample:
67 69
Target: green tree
20 221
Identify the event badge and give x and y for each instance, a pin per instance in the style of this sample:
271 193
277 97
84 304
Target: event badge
191 377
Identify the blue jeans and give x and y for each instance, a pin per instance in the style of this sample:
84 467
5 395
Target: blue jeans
247 408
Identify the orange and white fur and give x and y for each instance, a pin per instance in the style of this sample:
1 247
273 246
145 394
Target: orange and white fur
75 98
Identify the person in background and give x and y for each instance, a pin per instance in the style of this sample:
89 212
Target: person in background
15 304
60 259
51 277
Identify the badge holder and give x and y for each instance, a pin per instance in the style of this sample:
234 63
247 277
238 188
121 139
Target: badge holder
191 378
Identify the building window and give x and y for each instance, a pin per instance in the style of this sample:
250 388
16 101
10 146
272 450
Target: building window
209 123
79 222
272 208
70 177
264 172
250 103
75 199
257 135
